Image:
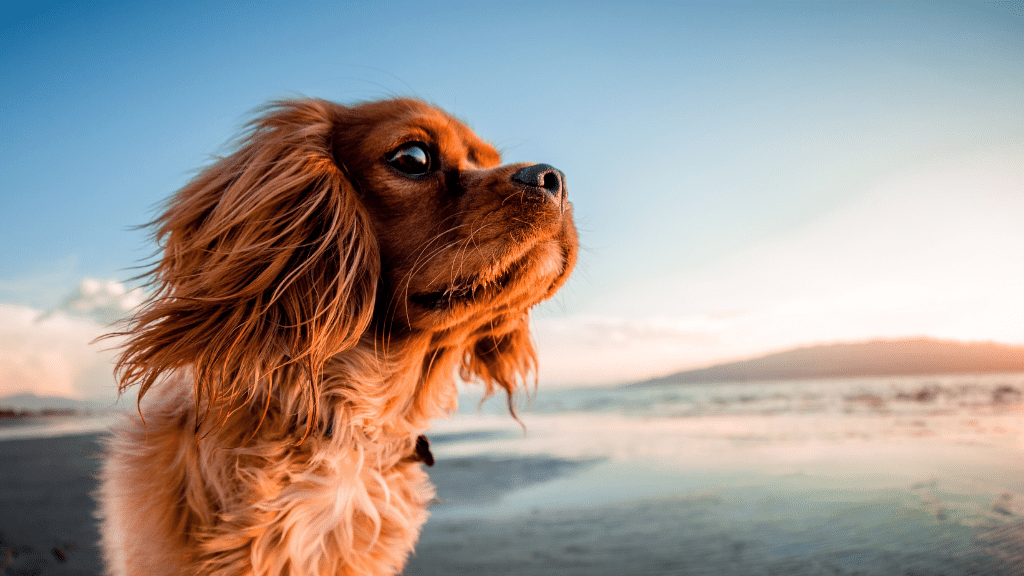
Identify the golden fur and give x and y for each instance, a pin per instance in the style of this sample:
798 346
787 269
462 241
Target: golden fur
318 291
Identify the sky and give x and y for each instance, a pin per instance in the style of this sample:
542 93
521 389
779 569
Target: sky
746 176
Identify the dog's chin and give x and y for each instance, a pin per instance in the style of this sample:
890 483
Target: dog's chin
498 289
464 292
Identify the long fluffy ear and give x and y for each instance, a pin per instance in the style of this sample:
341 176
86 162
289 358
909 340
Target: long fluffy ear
505 360
269 265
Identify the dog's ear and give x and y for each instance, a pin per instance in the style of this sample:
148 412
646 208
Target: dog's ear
505 359
269 265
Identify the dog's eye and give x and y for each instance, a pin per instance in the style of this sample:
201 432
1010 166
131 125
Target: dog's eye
412 159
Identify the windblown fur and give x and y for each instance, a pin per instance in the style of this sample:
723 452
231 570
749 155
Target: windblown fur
318 291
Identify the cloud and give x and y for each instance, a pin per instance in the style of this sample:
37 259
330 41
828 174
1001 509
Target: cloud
104 301
52 352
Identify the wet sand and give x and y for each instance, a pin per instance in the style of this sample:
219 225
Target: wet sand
894 488
702 536
46 508
47 526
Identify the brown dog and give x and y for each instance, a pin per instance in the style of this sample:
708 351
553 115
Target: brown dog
318 292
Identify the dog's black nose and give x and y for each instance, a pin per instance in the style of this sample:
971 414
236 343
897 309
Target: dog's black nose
545 178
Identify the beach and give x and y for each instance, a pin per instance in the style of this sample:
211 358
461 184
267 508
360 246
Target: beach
912 476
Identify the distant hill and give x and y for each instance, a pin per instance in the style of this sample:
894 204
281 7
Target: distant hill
877 358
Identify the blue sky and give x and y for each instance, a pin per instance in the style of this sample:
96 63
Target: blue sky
746 176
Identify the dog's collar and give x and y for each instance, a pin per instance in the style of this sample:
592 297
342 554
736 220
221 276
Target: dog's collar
422 452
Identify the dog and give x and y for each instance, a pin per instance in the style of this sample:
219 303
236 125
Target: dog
317 294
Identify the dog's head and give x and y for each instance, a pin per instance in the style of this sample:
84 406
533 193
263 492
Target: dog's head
333 227
461 237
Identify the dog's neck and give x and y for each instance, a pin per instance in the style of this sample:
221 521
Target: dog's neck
388 388
382 390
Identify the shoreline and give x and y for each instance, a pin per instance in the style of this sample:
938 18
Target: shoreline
56 426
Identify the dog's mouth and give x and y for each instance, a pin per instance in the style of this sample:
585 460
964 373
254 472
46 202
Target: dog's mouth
527 270
464 291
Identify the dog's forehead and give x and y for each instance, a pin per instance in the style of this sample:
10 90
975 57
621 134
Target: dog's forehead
456 139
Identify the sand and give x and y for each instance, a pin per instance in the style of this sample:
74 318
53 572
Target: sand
47 527
46 507
921 489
